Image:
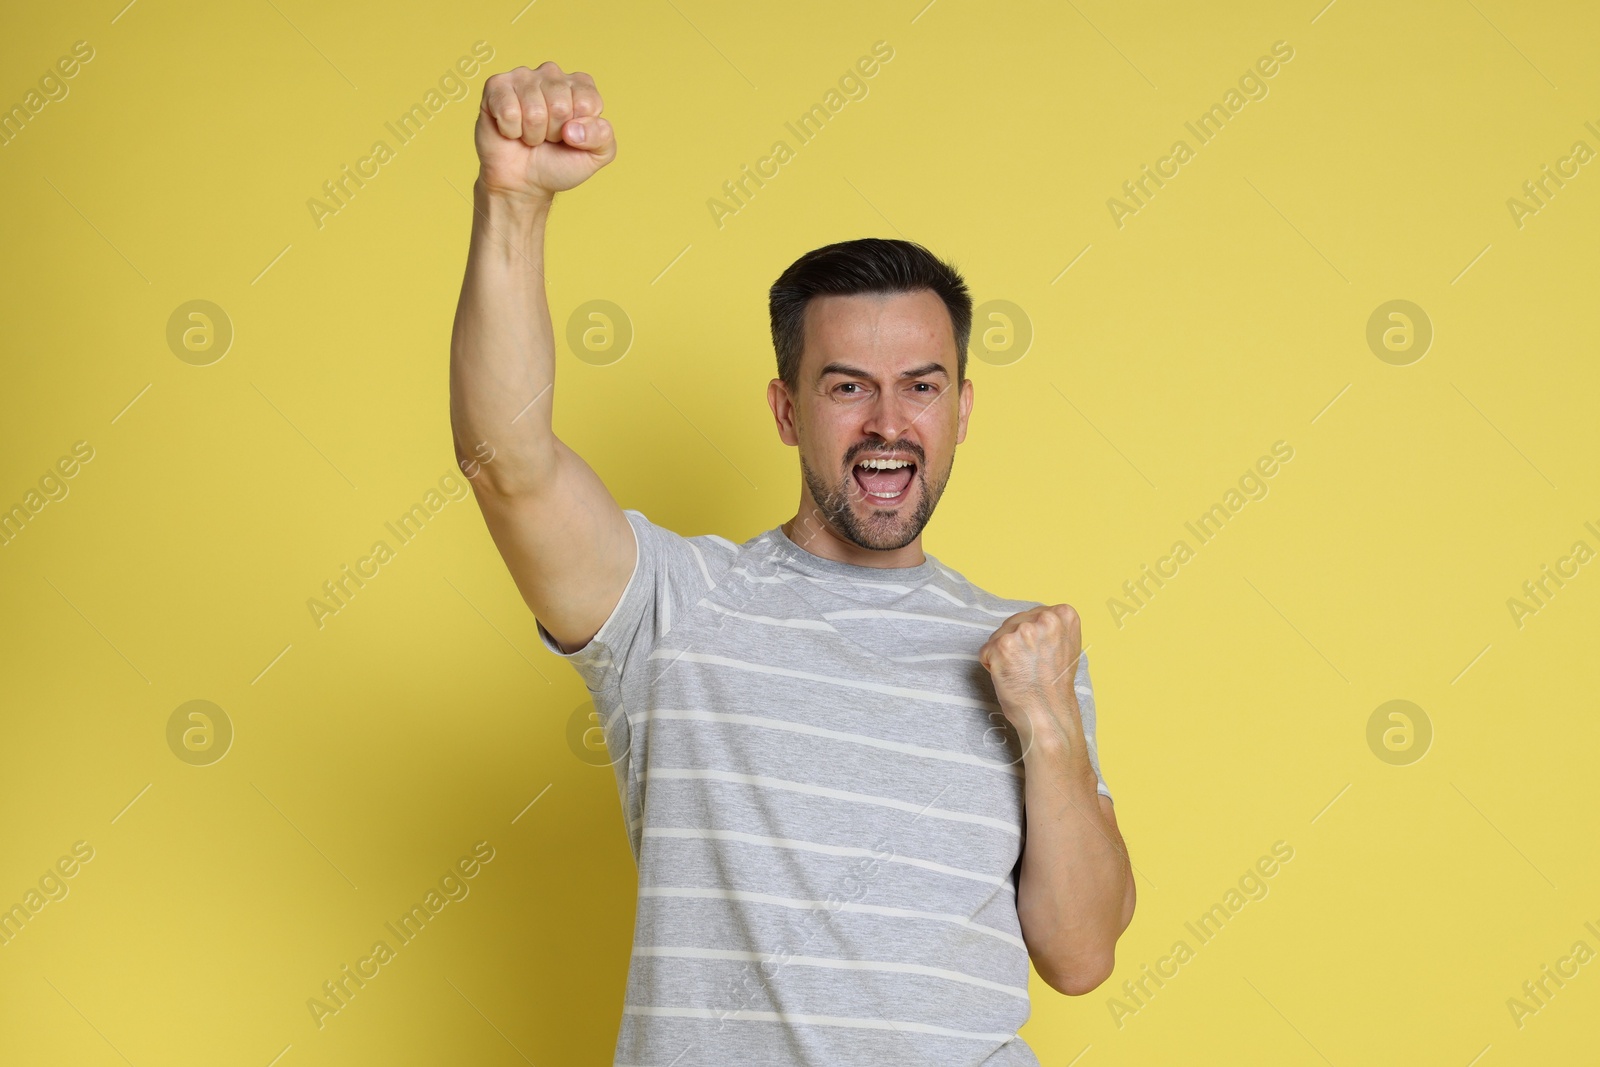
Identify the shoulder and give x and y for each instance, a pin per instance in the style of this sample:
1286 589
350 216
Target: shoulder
956 581
952 585
709 555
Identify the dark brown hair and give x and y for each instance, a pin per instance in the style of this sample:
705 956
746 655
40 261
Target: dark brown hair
867 265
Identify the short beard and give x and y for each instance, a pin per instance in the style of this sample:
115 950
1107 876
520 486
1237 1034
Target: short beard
834 503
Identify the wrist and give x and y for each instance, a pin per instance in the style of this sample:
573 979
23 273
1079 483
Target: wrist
524 207
1045 736
1054 751
1050 727
1053 705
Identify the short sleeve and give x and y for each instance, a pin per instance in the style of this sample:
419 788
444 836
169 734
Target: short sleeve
1086 713
670 575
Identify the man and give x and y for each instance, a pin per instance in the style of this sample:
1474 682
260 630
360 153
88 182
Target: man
825 738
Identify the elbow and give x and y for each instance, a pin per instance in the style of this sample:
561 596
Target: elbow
1082 975
1130 901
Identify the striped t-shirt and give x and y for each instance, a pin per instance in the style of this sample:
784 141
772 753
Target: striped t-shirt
825 804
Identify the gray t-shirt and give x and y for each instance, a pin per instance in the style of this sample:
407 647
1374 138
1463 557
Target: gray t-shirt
825 804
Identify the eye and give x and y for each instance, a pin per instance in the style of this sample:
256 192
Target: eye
848 385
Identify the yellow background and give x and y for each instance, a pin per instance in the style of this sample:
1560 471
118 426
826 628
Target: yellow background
1227 314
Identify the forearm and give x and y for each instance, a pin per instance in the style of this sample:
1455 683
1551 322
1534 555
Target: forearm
1075 890
502 346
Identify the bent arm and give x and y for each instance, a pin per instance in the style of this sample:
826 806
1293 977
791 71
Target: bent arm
1075 892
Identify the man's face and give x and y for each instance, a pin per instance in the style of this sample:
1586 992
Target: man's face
876 382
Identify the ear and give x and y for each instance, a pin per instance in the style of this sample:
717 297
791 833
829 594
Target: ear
782 405
963 410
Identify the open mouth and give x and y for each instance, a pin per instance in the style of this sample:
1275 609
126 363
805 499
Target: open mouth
885 483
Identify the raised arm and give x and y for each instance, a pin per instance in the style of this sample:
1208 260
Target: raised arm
568 545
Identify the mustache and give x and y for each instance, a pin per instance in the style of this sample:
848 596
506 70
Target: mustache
866 451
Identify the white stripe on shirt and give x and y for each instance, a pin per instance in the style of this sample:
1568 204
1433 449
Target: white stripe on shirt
696 833
769 620
787 672
814 1020
819 731
881 613
677 952
692 893
764 781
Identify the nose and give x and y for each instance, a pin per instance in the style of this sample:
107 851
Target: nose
890 415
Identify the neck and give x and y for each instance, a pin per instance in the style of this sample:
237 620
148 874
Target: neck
817 536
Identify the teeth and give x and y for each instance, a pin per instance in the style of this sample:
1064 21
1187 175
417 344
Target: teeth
884 464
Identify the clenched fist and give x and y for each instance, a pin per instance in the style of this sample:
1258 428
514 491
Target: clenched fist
540 132
1032 659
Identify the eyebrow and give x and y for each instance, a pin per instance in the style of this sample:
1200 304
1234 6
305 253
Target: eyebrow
857 372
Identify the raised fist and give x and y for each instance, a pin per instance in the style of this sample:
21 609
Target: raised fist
540 132
1034 656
